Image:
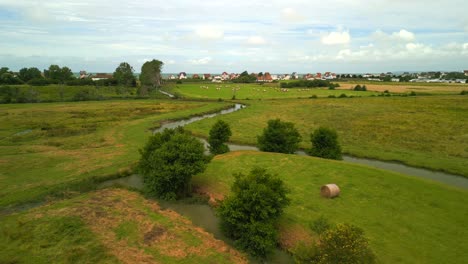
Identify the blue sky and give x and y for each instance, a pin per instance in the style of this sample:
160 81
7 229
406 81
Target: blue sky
215 36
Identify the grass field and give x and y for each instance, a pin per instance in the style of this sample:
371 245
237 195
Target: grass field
428 131
46 147
254 91
108 226
407 220
60 93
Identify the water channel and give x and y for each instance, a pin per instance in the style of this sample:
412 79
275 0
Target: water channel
203 215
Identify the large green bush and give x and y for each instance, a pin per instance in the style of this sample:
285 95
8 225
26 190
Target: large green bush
280 137
168 162
219 134
345 244
250 213
325 144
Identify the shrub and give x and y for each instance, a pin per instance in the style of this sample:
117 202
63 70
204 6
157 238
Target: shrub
168 162
325 144
345 244
250 213
320 225
39 82
280 137
219 134
463 92
342 95
314 96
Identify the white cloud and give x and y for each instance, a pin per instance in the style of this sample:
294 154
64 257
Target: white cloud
338 37
209 32
256 40
201 61
404 35
291 15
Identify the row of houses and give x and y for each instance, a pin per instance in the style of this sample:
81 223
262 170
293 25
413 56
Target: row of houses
261 77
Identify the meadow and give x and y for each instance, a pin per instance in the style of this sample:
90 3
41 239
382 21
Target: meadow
404 87
407 220
421 131
64 93
48 147
108 226
226 91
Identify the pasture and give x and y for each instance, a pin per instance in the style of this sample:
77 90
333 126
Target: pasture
48 147
429 131
407 220
108 226
404 87
241 91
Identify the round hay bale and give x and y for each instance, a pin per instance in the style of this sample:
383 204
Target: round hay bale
330 190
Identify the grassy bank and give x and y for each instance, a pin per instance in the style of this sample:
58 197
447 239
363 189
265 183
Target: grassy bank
408 220
425 132
47 147
108 226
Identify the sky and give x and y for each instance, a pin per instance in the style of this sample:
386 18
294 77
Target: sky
342 36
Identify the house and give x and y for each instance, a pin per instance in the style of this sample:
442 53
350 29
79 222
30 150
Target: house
367 75
195 76
206 76
84 74
267 77
395 79
329 76
287 77
217 79
308 76
182 75
466 72
101 76
225 76
172 77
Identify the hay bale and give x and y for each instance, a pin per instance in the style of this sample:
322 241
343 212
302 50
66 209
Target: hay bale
330 190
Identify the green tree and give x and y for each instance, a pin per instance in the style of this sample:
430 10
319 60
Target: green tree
168 162
250 213
150 75
123 74
325 144
58 74
344 244
27 74
219 134
280 137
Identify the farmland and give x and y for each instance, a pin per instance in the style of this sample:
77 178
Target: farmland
425 131
253 91
406 219
45 148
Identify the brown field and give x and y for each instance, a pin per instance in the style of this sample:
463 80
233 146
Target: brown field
429 88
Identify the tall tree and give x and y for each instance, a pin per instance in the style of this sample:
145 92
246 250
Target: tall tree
219 134
59 74
280 137
123 74
150 75
27 74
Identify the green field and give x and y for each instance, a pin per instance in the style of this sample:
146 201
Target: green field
61 93
407 220
47 147
108 226
429 131
253 91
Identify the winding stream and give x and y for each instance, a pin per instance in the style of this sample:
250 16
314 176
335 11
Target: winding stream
446 178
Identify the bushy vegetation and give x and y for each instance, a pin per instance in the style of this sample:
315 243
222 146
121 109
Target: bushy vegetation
360 88
245 77
250 213
219 134
280 137
325 144
307 83
168 162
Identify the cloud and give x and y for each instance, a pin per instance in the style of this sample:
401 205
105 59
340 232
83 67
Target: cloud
256 40
209 32
404 35
291 15
338 37
201 61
